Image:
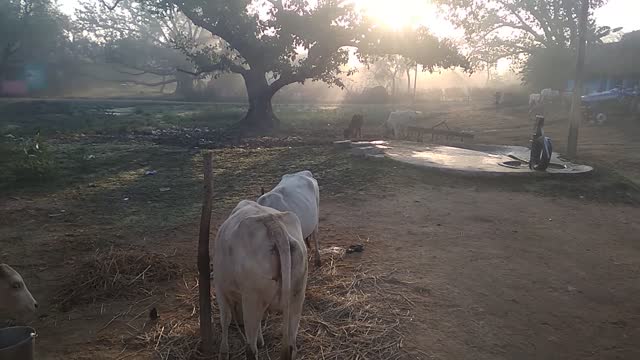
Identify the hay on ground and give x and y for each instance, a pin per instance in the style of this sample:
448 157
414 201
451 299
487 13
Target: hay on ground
348 314
115 273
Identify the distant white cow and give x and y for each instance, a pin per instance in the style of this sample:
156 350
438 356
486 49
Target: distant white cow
298 193
549 95
260 263
398 122
16 302
534 99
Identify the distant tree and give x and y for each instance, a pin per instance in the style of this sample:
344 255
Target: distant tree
30 31
518 29
274 43
139 42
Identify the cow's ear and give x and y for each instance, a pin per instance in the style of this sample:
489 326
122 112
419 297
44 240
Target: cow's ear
5 271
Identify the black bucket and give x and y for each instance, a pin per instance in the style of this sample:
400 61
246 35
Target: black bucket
16 343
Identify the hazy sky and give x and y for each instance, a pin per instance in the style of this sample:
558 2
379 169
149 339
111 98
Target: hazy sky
617 13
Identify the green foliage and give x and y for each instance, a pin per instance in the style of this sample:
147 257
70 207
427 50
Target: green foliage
549 68
34 162
30 30
138 42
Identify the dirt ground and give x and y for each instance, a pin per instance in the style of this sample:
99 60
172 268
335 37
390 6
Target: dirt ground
480 268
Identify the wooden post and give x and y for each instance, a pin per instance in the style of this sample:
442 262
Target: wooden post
576 104
204 288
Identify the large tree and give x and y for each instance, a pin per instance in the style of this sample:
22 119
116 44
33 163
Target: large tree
520 29
139 42
30 30
274 43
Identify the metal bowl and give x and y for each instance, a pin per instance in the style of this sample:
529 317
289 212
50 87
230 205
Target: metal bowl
16 343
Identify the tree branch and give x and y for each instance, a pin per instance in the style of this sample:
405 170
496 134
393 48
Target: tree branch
136 82
526 27
111 7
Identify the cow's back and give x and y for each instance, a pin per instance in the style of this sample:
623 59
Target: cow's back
243 250
299 194
400 120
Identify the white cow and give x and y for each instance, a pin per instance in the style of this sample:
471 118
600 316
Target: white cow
398 122
534 99
260 263
299 194
15 299
549 95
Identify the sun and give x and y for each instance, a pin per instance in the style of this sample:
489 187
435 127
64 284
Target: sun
393 14
398 14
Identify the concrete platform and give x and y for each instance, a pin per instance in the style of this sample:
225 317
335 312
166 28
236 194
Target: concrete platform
473 159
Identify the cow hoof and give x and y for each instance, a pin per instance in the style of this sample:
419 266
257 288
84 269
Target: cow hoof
250 354
318 263
260 342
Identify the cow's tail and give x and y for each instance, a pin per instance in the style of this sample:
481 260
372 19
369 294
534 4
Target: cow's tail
278 234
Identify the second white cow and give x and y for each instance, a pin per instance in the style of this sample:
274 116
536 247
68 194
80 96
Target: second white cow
549 95
300 194
16 302
398 122
260 263
534 99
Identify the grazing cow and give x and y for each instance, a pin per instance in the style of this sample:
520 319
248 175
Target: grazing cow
298 193
398 122
355 127
260 263
15 299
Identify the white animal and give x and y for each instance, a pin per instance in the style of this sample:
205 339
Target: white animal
298 193
398 122
15 299
534 99
260 263
549 95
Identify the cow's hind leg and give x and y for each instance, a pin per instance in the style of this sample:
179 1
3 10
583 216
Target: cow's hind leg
252 313
294 322
260 337
225 321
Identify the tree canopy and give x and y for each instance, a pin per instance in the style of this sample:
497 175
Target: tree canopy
140 42
30 30
274 43
530 32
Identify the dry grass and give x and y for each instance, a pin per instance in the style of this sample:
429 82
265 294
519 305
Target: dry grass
348 314
115 273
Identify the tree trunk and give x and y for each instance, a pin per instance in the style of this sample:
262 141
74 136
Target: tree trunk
408 81
488 75
184 85
164 78
415 83
260 116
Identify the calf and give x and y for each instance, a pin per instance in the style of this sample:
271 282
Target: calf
299 194
260 263
15 299
355 127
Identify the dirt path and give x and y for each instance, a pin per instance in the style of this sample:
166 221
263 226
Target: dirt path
499 275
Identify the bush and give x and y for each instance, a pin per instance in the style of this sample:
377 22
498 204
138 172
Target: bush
375 95
34 162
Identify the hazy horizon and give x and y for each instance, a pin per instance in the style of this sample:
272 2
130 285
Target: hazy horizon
615 14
